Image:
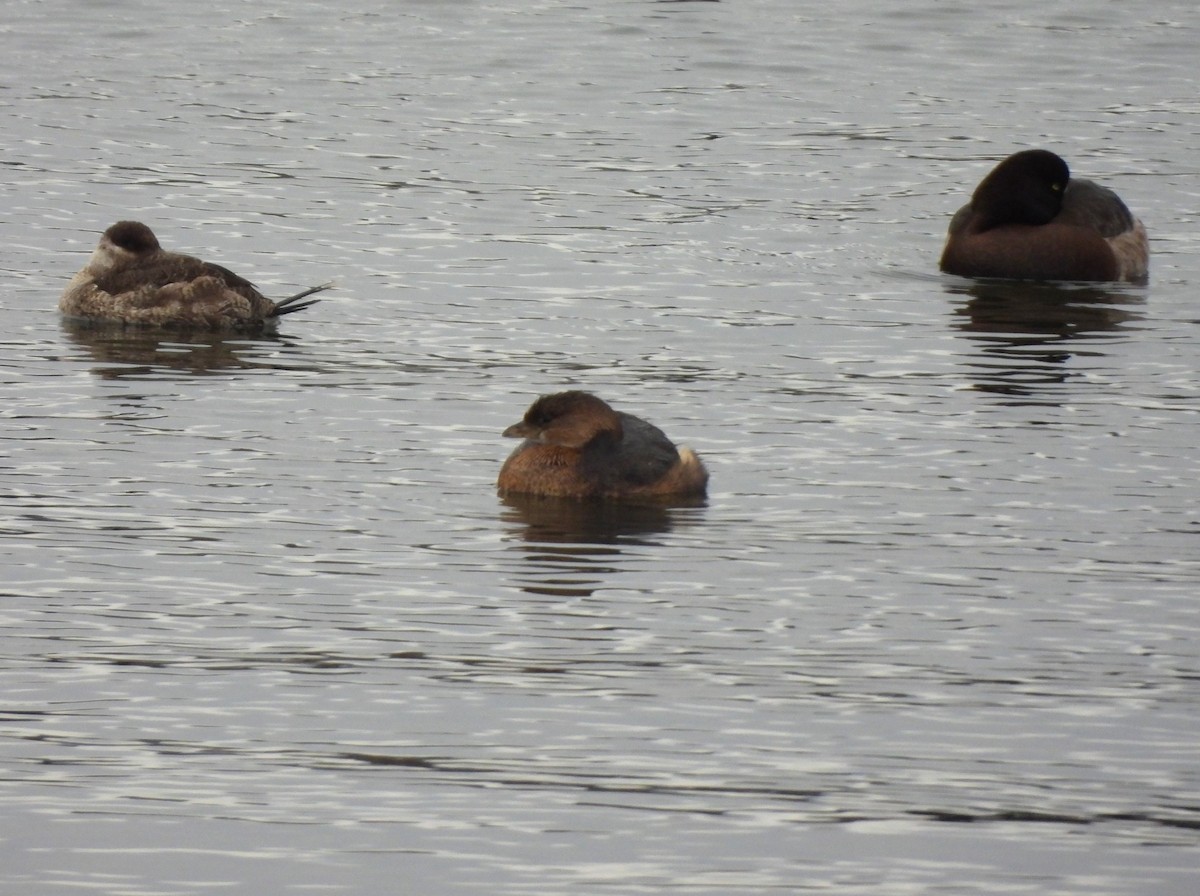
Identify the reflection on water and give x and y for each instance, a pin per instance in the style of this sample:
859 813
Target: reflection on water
566 521
1047 309
267 627
572 546
1025 328
125 352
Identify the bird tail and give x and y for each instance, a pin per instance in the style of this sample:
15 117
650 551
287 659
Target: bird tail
293 303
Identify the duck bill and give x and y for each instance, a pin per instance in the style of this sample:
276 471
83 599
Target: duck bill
520 430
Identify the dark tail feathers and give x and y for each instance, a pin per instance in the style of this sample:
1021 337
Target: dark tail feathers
289 305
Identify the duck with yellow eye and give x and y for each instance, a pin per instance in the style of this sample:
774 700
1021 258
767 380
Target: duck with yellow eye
1030 220
577 446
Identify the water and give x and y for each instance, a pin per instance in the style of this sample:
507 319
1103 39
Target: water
266 625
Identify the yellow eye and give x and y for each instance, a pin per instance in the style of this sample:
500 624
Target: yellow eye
1056 187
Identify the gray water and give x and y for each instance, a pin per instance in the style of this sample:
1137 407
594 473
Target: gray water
267 627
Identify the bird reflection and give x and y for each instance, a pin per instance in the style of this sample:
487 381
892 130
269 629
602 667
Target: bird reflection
572 547
138 352
1025 329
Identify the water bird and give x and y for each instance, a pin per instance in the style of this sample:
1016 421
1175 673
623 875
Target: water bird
576 446
1030 220
130 279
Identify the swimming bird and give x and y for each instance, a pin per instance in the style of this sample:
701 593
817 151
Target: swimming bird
1030 220
577 446
131 279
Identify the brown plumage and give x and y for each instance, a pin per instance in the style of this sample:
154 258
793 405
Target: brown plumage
577 446
131 279
1030 220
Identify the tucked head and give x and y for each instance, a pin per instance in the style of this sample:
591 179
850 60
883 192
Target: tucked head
567 419
133 237
1030 220
121 244
1026 188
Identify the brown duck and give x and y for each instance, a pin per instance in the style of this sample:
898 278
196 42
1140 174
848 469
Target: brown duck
130 279
577 446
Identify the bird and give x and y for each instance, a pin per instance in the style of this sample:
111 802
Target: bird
577 446
131 280
1030 220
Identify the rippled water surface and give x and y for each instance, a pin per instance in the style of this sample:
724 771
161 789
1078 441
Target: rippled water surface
268 628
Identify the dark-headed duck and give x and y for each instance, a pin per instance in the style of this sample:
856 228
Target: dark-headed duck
131 279
576 446
1030 220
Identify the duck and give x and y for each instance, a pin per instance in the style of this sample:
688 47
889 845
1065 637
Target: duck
1030 220
577 446
131 280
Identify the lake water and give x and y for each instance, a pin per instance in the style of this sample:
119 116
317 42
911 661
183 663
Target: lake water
267 627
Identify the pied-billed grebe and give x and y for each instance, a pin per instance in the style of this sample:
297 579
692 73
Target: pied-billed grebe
1030 220
131 279
576 446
